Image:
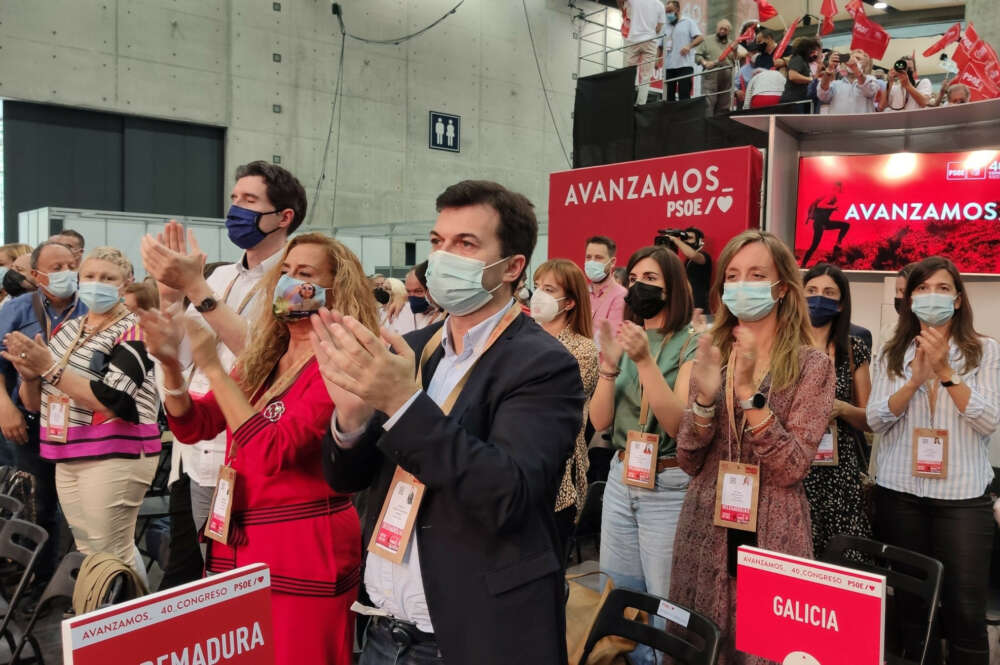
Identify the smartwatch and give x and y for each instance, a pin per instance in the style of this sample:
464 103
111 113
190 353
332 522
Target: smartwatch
953 381
756 401
206 305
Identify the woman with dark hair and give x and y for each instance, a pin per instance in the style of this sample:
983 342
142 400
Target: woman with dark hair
561 305
936 402
833 485
800 75
756 388
899 302
641 363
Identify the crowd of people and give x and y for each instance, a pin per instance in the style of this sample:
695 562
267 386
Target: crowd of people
752 74
422 446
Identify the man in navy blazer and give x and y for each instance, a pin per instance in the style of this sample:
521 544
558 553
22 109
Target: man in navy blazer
481 580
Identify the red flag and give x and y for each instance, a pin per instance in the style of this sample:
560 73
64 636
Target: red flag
828 10
766 10
867 35
854 8
985 58
965 45
953 34
747 35
980 86
787 38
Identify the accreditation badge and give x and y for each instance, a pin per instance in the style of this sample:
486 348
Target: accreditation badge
826 453
58 418
736 494
217 527
399 513
641 452
930 453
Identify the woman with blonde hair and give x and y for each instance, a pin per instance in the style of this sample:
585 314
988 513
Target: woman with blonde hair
93 384
561 305
276 411
395 299
751 423
8 262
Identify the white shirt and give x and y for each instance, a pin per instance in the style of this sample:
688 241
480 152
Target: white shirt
676 37
644 16
203 459
901 100
969 470
406 321
398 588
847 97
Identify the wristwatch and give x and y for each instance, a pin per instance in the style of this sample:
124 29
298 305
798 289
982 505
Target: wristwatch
953 381
756 401
206 305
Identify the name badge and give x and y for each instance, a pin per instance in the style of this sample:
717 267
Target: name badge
399 513
58 418
640 459
826 454
930 453
736 494
217 527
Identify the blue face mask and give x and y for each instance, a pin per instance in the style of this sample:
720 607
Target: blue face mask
822 310
3 273
671 17
456 283
748 301
99 297
61 284
596 270
243 226
294 299
418 304
934 309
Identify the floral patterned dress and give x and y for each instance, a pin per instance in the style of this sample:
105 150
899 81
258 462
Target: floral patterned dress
784 449
573 489
836 501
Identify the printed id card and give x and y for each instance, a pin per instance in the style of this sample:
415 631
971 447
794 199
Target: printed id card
641 453
827 454
736 493
930 453
399 513
217 527
58 420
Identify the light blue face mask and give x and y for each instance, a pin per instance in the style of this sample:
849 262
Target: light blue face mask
934 309
456 282
596 270
61 284
748 301
3 273
99 297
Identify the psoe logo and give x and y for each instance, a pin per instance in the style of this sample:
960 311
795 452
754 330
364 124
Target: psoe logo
993 171
956 171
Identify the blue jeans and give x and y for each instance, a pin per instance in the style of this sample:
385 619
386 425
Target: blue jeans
637 535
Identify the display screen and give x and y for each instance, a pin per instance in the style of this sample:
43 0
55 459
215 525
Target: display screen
880 212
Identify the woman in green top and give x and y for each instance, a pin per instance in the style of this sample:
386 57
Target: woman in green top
641 362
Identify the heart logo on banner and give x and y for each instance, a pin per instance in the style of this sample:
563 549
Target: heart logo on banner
260 580
871 587
724 203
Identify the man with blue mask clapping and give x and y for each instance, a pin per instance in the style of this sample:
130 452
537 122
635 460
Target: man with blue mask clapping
267 204
42 312
465 460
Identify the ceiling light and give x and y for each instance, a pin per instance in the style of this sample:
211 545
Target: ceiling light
900 165
979 159
880 5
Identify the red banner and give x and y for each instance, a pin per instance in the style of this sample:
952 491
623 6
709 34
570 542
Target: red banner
828 10
765 11
870 37
717 191
979 83
794 610
965 45
780 51
225 618
880 212
953 34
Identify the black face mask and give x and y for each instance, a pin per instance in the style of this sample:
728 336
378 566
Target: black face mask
382 296
645 300
15 284
898 304
753 47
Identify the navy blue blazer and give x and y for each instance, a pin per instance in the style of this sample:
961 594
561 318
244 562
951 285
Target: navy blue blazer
488 546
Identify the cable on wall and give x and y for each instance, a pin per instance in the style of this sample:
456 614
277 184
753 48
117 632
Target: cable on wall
541 82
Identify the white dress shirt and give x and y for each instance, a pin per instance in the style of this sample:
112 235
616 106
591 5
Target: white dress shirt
203 459
845 96
676 37
398 588
969 470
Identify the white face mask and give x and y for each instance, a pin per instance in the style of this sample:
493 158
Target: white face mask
456 282
544 307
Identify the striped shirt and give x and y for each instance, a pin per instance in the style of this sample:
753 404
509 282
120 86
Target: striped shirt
121 377
969 470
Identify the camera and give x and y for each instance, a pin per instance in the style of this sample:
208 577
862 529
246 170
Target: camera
663 236
901 65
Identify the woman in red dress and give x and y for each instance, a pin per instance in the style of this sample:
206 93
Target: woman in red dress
276 411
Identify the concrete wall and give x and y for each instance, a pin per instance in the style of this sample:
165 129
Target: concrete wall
215 62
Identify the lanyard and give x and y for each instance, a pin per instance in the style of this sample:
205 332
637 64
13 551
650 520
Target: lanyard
246 298
643 398
64 361
280 385
435 341
731 408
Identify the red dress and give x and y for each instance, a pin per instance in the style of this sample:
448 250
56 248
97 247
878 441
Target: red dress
285 515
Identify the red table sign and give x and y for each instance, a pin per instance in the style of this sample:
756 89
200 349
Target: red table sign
717 191
222 619
797 611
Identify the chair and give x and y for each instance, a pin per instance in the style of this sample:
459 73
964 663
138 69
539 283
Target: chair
699 644
20 542
904 571
588 522
60 587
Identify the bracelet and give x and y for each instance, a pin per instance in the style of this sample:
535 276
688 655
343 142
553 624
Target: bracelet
608 375
702 425
759 427
57 377
176 392
52 367
702 411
